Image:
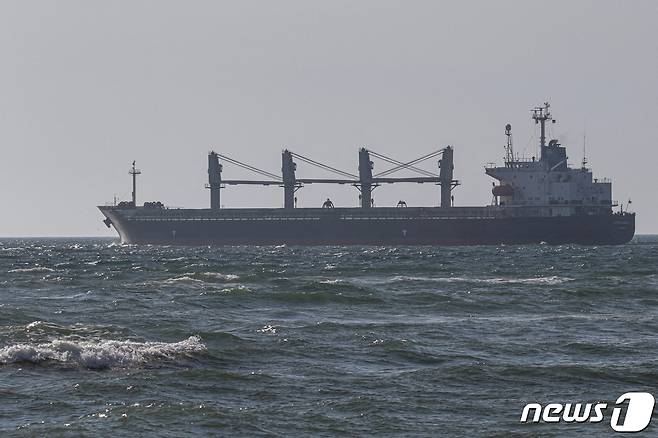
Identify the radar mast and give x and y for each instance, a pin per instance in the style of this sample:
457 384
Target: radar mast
540 115
509 149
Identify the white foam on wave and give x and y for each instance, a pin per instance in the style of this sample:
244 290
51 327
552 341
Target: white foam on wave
269 329
335 281
534 280
553 279
240 288
220 276
34 324
100 354
183 279
228 290
33 269
204 277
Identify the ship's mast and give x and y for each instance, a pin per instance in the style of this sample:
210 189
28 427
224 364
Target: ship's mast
540 115
134 172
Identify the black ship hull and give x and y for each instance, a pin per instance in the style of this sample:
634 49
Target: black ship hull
419 226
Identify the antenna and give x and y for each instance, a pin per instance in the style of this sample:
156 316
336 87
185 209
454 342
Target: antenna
134 172
585 147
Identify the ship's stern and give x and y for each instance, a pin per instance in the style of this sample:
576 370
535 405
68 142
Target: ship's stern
622 228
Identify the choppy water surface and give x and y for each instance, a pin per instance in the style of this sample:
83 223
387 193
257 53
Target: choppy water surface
98 338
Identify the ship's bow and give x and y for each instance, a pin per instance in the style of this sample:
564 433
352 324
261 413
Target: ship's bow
114 217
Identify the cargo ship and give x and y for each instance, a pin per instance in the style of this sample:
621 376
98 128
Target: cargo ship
536 200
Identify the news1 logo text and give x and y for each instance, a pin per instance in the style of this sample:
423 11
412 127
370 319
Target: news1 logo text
631 412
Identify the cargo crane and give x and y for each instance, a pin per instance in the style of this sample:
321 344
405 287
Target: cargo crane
365 182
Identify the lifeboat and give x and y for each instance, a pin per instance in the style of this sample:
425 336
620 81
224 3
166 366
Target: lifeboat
503 190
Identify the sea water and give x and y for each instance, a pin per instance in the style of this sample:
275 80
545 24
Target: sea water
103 339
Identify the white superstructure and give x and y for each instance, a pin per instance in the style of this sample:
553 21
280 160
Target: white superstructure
549 183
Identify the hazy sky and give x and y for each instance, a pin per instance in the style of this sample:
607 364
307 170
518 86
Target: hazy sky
86 87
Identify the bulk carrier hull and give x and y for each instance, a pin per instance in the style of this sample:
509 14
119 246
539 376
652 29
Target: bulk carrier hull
535 201
354 226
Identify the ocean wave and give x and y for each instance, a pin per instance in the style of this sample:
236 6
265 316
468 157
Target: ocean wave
35 324
100 354
220 276
204 277
335 281
33 269
228 290
550 280
48 330
176 259
267 329
182 279
235 289
324 296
